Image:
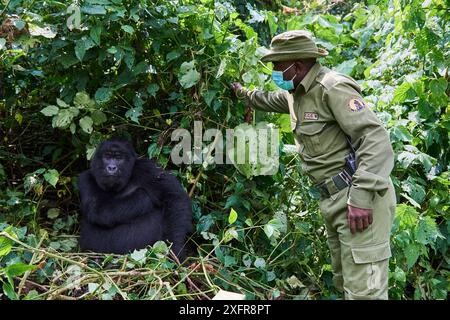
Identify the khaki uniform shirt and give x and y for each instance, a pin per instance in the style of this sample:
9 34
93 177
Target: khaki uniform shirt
325 108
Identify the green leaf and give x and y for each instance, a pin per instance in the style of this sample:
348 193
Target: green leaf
230 234
260 263
414 189
92 287
50 111
86 124
93 10
19 24
403 93
438 91
18 269
128 29
95 33
160 247
269 230
2 43
152 89
52 177
80 49
48 32
134 114
5 246
412 252
98 117
172 55
229 261
188 75
103 95
233 216
427 231
62 119
61 103
53 213
82 100
139 255
9 291
347 66
401 134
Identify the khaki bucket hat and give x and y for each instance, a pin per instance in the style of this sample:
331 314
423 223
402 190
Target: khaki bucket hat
292 45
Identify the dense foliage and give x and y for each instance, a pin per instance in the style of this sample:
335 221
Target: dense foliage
143 68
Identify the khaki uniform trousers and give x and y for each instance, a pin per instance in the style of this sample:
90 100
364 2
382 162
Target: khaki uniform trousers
360 261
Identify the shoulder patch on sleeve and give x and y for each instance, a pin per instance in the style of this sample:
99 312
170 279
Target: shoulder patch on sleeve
356 104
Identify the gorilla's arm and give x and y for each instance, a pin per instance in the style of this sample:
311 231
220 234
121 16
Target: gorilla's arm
102 209
177 210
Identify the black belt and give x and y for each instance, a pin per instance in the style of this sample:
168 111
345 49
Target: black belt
335 184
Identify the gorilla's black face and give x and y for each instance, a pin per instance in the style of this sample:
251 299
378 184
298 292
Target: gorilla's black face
113 164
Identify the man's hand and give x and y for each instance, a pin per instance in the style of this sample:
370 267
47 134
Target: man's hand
237 88
359 219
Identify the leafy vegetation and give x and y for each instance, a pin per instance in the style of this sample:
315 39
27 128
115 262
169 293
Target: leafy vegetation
144 68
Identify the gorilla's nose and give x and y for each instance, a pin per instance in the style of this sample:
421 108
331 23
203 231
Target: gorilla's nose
111 169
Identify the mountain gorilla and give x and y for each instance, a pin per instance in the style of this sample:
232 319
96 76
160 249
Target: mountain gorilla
129 203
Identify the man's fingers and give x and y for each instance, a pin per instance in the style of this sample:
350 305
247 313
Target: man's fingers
352 225
365 221
359 224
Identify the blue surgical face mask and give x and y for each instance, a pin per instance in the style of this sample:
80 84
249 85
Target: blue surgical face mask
277 77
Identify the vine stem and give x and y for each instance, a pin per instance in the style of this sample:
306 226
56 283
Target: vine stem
52 255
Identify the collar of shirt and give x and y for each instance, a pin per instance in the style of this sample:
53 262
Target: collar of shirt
307 81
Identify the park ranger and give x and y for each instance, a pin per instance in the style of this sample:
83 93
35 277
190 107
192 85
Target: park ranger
332 124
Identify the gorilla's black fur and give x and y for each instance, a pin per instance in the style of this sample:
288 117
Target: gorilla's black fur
129 203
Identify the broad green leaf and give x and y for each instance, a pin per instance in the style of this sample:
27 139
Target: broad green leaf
95 33
269 230
128 29
19 24
50 111
160 247
61 103
134 114
62 119
139 255
152 89
18 269
98 117
9 291
80 49
412 252
103 95
53 213
347 66
5 246
92 287
427 231
93 10
260 263
86 124
188 75
172 55
230 234
404 92
48 32
82 100
233 216
51 176
229 261
209 96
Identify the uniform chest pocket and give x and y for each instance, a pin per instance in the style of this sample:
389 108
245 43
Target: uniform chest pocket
311 135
